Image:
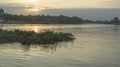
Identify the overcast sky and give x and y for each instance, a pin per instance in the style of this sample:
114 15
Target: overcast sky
64 3
37 6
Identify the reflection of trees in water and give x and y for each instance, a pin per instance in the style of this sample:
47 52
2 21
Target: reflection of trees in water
116 28
26 48
51 47
46 48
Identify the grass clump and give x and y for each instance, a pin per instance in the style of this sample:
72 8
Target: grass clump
30 37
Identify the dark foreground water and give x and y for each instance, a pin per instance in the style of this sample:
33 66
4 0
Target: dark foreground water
95 46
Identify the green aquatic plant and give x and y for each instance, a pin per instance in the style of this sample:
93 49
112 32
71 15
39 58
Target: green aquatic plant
30 37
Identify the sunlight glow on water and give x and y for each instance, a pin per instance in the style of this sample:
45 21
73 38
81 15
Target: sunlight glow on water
37 29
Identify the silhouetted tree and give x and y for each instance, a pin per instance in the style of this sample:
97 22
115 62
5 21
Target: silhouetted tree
116 20
1 11
2 14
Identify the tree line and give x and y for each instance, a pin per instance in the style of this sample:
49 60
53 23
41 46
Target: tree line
61 19
39 18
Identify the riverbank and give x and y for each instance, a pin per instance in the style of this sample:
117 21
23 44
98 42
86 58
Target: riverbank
30 37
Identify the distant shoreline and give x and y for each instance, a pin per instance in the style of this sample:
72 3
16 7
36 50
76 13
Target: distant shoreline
7 18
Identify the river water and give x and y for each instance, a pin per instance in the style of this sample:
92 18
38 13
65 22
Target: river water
96 45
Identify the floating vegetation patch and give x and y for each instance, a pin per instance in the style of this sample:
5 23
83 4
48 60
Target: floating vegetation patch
30 37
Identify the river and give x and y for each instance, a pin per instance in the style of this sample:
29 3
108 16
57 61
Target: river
96 45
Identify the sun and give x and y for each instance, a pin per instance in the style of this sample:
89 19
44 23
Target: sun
35 9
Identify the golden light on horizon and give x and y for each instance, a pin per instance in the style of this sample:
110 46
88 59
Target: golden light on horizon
35 9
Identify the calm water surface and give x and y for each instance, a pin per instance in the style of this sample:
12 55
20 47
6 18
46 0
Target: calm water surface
95 46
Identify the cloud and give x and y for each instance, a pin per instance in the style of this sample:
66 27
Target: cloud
18 8
110 3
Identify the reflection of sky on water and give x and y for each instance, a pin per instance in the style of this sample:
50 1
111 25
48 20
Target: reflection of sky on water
95 46
42 27
27 52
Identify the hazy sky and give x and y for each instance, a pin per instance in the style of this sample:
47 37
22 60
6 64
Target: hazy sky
37 6
64 3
